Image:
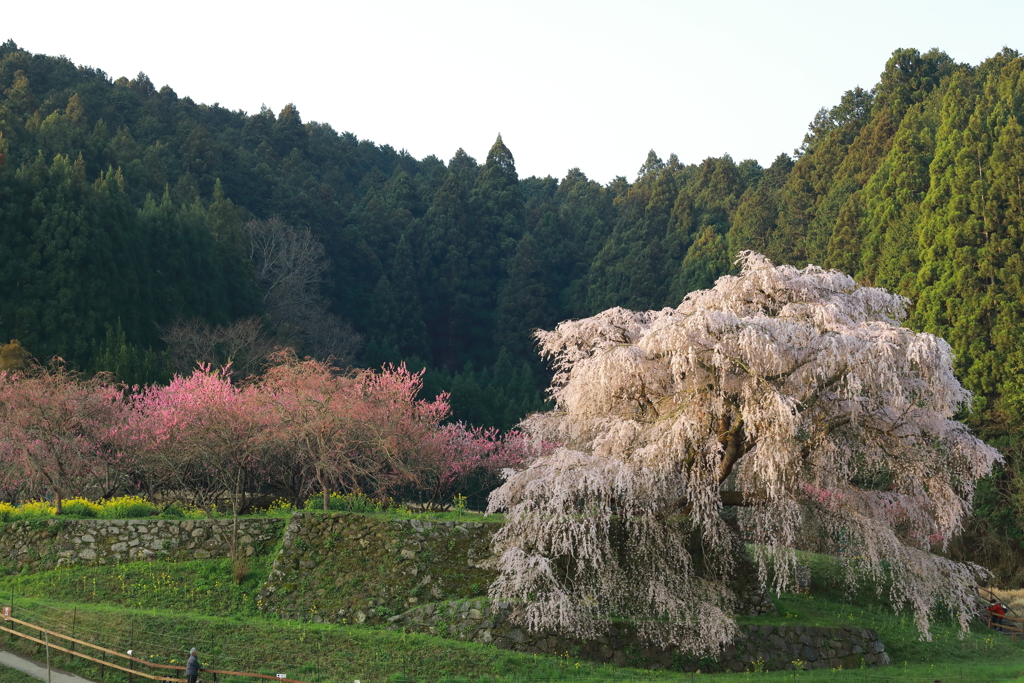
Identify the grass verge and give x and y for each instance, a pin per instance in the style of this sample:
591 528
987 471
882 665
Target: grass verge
8 675
160 609
199 586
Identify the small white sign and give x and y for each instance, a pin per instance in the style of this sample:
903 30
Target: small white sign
282 675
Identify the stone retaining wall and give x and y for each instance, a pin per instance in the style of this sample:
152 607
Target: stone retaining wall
354 568
757 647
39 545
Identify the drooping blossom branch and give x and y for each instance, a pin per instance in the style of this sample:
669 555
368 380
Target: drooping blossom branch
796 394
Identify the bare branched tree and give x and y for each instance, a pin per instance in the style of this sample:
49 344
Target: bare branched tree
800 386
244 344
290 266
329 336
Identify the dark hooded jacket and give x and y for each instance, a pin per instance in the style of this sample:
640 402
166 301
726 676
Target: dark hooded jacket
192 666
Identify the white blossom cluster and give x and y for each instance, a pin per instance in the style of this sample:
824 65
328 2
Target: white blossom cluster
795 394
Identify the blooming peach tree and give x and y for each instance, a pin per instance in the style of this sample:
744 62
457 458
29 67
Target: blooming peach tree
348 430
795 395
368 431
316 444
457 453
399 425
57 434
202 436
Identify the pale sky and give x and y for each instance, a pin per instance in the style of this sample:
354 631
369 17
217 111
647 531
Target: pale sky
589 84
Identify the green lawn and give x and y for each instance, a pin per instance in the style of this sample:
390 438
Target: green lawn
286 513
315 652
452 516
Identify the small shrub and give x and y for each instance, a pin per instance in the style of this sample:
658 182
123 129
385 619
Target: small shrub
239 569
459 504
178 511
33 509
174 511
127 507
6 512
349 502
281 505
82 507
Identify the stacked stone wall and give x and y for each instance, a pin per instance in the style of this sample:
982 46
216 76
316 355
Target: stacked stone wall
354 568
39 545
412 574
756 647
359 569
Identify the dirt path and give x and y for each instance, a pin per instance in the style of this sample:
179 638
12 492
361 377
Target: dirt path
37 669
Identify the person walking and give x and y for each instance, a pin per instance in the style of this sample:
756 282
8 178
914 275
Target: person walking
192 666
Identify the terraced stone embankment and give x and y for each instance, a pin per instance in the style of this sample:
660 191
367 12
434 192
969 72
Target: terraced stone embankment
755 648
353 568
40 545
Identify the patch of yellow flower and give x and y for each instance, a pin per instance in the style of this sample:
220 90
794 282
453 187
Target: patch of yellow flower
121 507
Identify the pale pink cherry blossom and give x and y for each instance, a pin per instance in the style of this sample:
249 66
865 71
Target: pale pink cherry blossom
795 394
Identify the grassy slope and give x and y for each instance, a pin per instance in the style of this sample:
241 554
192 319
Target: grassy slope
316 653
200 586
15 676
161 609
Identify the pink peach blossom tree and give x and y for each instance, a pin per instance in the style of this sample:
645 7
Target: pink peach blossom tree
57 434
202 436
457 453
320 433
352 430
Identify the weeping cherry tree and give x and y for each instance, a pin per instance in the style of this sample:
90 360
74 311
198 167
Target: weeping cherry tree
794 396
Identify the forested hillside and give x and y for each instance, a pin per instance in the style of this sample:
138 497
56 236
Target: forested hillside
126 216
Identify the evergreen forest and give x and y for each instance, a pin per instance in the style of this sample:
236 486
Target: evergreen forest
140 230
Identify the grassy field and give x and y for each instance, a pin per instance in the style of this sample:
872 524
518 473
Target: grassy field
43 512
160 609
